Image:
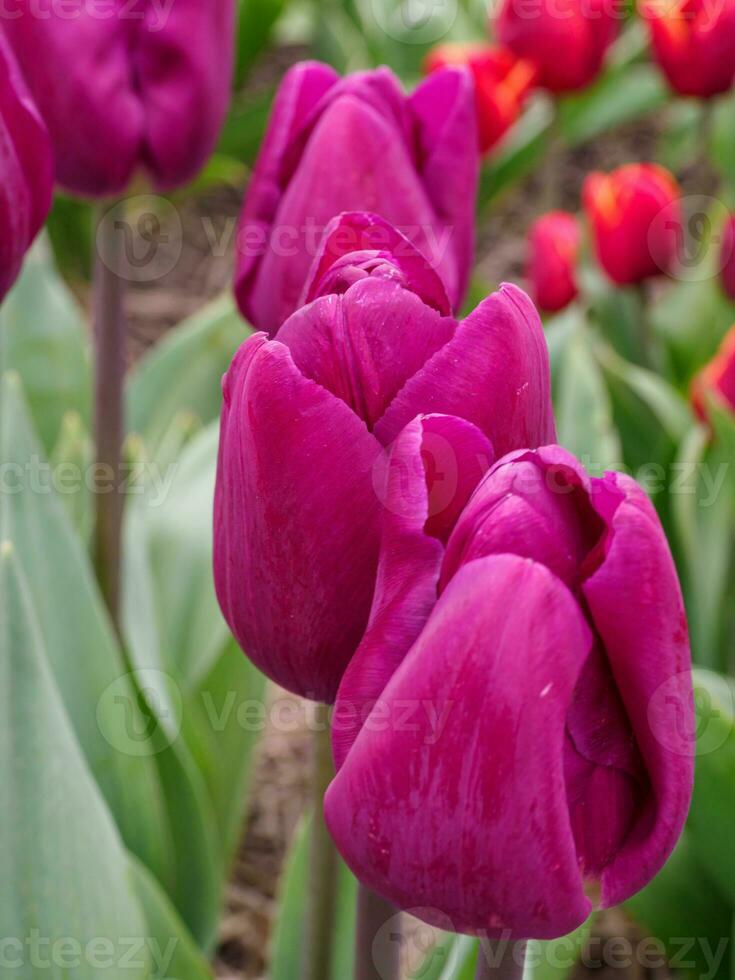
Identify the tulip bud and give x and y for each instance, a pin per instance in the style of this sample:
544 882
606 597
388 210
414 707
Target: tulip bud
514 734
716 379
136 89
694 44
727 258
636 221
553 250
357 143
566 40
305 421
26 169
502 83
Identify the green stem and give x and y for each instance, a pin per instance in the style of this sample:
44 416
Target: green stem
322 864
377 946
110 336
500 961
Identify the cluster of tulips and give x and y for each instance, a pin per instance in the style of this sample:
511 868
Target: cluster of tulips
394 522
394 525
561 48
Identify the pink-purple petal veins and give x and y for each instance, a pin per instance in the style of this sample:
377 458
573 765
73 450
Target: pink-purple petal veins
444 107
358 244
301 89
296 521
430 473
365 344
144 89
465 811
494 372
635 602
26 168
359 147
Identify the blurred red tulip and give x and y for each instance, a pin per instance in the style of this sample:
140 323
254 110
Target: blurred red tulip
502 83
566 39
553 250
716 378
694 44
636 220
26 169
727 258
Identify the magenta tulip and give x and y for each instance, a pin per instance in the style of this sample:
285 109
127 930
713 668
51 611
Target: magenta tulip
509 733
305 421
357 143
140 87
26 169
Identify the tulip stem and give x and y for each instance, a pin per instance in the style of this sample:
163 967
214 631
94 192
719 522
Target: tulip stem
500 961
377 946
109 346
322 862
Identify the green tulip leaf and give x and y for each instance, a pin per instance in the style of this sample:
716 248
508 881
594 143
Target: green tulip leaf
66 904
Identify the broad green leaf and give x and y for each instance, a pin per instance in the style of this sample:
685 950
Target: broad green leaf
703 510
683 908
583 410
70 460
680 143
256 20
712 814
99 697
62 864
184 372
520 152
70 228
723 139
173 951
43 339
288 941
223 720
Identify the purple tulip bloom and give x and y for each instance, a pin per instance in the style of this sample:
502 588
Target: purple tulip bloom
305 421
357 143
140 87
514 734
26 169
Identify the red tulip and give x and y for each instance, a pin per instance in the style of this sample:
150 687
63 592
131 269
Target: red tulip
727 258
305 421
26 169
636 221
694 44
565 39
357 143
716 379
502 83
514 734
553 250
140 87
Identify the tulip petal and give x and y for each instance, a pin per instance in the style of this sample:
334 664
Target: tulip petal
26 168
301 89
494 372
444 107
433 467
184 73
636 604
459 804
365 344
361 231
326 182
296 521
